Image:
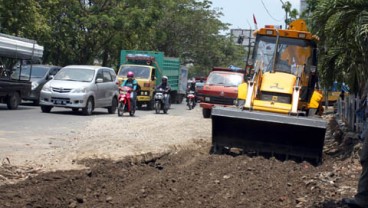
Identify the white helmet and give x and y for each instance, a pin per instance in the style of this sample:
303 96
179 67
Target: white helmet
164 77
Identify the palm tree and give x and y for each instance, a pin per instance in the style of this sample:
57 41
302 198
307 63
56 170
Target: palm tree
342 26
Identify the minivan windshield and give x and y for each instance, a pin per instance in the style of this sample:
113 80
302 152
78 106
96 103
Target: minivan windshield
75 74
142 72
226 79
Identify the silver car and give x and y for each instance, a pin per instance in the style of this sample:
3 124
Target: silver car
81 87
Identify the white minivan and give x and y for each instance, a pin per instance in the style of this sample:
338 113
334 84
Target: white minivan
81 87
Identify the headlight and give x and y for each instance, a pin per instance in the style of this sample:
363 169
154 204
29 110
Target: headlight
46 88
34 85
79 90
207 99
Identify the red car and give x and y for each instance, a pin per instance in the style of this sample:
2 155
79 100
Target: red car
221 88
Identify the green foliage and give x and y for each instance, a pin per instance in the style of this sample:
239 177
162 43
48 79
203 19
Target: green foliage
342 26
89 31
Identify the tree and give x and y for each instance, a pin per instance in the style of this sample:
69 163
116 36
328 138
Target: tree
342 26
86 31
290 14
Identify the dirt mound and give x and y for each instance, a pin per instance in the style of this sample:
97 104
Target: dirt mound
187 178
190 177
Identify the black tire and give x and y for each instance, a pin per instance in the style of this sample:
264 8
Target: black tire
151 105
46 109
157 107
75 110
121 109
206 113
132 112
13 101
165 110
190 104
89 107
114 105
36 102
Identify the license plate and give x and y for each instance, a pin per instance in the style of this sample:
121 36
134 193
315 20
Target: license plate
60 102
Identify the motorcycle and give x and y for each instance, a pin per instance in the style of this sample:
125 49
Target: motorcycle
191 100
160 96
125 101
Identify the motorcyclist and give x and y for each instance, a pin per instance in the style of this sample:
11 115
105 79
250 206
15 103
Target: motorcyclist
165 86
132 83
191 87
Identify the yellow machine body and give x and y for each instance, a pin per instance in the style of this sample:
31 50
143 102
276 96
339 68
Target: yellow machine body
281 99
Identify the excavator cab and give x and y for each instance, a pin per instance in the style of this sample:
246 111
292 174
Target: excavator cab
278 114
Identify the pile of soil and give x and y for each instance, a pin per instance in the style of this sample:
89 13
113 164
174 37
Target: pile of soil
191 177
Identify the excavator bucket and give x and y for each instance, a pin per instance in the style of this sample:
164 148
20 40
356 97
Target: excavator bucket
264 132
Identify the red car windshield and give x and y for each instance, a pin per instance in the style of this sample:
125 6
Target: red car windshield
227 79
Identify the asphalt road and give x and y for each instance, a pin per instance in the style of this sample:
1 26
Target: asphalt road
29 121
26 129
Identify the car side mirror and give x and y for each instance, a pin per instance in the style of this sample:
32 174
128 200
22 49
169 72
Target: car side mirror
99 80
153 78
50 77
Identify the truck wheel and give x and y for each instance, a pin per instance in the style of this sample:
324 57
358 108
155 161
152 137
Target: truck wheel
151 105
206 112
46 109
13 101
89 107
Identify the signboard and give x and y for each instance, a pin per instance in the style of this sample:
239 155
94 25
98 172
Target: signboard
243 36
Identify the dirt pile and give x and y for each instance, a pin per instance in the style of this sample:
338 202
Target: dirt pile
190 177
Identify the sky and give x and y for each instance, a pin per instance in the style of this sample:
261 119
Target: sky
239 13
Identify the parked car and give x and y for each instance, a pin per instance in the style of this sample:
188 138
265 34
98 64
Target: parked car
81 87
40 74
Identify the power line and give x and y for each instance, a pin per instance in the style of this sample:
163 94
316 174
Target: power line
268 12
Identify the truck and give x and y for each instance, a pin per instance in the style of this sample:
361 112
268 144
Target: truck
280 115
332 94
220 89
14 82
148 68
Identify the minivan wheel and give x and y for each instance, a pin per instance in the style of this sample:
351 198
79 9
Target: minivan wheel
89 107
114 104
46 109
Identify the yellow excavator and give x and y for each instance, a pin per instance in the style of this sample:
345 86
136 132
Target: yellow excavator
279 106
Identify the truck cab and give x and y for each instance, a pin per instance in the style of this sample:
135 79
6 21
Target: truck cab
144 73
148 68
15 83
220 88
